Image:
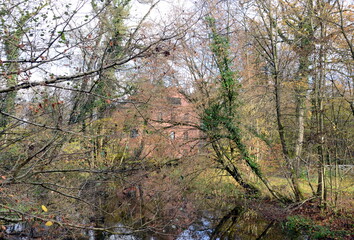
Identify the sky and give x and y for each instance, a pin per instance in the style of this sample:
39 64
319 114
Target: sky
161 13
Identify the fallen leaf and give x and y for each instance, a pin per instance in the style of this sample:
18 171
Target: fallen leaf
44 208
49 223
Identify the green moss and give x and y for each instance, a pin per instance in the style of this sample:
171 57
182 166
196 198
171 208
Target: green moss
305 226
298 223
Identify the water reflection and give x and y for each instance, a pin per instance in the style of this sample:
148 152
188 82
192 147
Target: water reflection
201 231
126 234
247 224
239 223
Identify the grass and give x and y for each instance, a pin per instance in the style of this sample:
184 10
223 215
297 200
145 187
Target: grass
226 185
304 225
345 186
311 219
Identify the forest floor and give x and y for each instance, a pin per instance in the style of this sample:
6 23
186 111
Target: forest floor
309 218
335 220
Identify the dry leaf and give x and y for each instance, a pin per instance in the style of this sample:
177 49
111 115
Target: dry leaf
49 223
44 208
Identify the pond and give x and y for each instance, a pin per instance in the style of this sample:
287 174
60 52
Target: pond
214 223
239 223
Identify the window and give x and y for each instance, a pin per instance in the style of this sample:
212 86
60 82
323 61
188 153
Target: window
134 133
185 135
159 116
174 100
172 135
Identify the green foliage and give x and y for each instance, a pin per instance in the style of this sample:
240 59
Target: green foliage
298 223
223 115
306 226
11 155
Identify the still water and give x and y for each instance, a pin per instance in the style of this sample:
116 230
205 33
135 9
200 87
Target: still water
237 224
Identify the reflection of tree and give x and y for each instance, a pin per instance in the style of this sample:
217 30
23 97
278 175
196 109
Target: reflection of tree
227 223
237 224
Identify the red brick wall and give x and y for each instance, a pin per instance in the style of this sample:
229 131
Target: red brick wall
159 120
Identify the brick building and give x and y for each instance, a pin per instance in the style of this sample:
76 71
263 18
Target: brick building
160 122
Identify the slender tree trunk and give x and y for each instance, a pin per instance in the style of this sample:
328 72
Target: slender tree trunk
321 188
277 91
304 48
288 160
300 120
268 47
8 99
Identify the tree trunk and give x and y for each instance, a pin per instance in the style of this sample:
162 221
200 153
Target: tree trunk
8 99
321 189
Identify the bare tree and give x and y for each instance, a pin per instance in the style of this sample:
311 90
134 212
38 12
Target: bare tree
66 61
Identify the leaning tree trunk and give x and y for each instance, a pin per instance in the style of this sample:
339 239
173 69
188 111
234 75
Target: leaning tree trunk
221 117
